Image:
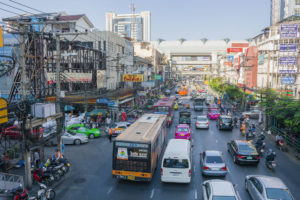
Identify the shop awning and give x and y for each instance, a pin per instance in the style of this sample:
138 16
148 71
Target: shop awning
126 100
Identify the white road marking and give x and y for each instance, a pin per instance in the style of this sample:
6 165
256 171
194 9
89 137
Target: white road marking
152 193
109 191
196 194
238 194
228 169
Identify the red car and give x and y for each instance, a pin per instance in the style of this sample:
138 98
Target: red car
14 133
213 114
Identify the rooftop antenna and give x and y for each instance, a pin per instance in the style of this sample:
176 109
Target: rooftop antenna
133 23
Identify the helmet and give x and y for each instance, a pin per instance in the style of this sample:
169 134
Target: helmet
274 153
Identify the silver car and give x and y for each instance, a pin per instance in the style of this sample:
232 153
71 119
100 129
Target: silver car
72 138
219 189
202 122
262 187
212 163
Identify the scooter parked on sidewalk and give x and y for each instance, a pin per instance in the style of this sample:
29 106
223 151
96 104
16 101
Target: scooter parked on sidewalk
42 177
43 193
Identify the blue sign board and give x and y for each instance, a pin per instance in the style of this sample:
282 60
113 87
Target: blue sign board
288 31
288 47
287 61
230 58
111 103
287 71
103 100
287 80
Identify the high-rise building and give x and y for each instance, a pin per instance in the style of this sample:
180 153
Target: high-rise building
136 26
281 9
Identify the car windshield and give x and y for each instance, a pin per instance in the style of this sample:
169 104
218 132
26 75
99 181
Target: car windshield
214 159
223 198
245 148
201 119
214 112
182 129
176 163
227 120
276 193
82 129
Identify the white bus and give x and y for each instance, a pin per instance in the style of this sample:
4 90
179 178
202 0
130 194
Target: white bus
176 164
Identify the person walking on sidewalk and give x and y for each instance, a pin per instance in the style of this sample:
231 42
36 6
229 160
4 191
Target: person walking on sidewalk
36 159
110 135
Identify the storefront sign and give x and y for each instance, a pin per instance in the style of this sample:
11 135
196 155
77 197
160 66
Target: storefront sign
234 50
287 61
70 77
261 59
240 45
157 77
287 71
288 47
103 100
228 63
288 31
230 58
148 84
287 80
132 77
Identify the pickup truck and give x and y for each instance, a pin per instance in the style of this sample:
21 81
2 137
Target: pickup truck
14 132
184 117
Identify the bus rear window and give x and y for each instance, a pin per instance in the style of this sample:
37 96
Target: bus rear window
162 110
176 163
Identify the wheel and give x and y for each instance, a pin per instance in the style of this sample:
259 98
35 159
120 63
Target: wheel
50 194
57 177
77 142
92 136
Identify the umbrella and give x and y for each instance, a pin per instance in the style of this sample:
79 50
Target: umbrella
69 108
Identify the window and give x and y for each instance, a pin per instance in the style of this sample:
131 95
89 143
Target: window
256 184
104 45
99 45
246 148
297 11
214 159
276 193
176 163
297 2
182 129
207 189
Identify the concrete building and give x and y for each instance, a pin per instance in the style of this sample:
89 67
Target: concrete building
281 9
279 58
136 26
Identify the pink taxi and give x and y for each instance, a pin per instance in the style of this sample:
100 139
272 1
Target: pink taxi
183 131
213 114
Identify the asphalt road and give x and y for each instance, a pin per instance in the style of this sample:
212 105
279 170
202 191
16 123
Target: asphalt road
90 175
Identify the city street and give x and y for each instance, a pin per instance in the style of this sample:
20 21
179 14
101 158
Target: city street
91 177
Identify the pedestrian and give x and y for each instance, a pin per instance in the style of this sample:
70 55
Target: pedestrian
37 159
108 121
110 135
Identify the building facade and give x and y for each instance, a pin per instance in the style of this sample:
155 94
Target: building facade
135 26
281 9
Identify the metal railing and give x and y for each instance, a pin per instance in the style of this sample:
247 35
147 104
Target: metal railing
289 139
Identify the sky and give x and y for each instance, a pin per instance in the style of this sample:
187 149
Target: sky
170 19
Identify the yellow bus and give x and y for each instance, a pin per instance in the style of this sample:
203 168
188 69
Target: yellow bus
136 151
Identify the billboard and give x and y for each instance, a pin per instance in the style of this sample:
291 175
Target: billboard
240 45
287 61
288 31
230 58
234 50
288 47
228 63
132 77
287 80
70 77
148 84
287 71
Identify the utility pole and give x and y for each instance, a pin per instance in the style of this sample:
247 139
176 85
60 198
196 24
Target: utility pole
27 157
58 102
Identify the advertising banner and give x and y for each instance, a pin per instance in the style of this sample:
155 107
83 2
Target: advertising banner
287 80
240 45
157 77
101 79
288 31
287 71
287 61
234 50
288 47
1 37
261 59
103 100
132 77
70 77
148 84
230 58
228 63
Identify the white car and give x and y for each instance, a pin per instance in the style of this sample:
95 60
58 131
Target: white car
72 138
219 189
118 128
202 122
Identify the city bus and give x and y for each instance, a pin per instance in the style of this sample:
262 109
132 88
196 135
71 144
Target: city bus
183 91
137 150
165 106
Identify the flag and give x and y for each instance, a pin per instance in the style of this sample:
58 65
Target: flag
1 37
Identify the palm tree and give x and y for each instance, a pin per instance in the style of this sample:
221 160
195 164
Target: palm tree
226 40
204 40
181 40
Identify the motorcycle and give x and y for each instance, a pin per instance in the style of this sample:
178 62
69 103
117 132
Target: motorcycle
271 164
19 193
43 193
40 176
249 135
56 171
261 151
281 145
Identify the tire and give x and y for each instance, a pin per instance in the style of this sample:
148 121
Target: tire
77 142
50 194
57 177
92 136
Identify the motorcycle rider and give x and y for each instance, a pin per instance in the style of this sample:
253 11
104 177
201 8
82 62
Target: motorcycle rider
243 128
235 121
259 143
279 140
271 156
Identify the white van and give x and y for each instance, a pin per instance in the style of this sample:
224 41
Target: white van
177 162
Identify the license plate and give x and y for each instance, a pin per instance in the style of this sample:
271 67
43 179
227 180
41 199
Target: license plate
249 158
214 169
131 178
181 134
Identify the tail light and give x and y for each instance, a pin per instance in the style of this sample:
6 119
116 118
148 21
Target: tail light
161 171
197 122
257 157
207 123
224 168
190 173
205 168
239 156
